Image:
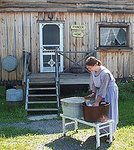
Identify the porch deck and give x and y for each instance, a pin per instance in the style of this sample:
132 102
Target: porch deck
65 78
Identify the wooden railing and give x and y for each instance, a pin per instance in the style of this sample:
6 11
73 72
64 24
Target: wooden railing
27 65
75 64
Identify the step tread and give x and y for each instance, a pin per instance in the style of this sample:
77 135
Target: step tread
41 95
42 109
48 88
41 82
42 102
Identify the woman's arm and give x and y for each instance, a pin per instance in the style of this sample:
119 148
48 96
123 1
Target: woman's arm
99 98
92 94
105 79
92 86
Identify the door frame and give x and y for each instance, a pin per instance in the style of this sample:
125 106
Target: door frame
60 46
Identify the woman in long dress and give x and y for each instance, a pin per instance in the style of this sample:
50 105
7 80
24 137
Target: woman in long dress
103 86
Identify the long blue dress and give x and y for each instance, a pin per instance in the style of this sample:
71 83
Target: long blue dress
104 81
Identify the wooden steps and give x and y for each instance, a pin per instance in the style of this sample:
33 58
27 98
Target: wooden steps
41 96
42 89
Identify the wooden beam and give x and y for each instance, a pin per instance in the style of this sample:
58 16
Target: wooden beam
60 8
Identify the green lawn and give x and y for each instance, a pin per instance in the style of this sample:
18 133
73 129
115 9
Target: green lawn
12 138
15 114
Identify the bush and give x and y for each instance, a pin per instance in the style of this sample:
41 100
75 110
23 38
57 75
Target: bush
126 90
2 92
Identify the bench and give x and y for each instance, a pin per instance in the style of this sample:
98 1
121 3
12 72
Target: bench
97 126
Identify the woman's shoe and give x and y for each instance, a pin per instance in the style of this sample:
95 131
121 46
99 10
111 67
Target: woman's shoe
108 140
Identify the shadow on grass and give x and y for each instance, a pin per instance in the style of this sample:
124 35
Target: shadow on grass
40 127
7 132
69 143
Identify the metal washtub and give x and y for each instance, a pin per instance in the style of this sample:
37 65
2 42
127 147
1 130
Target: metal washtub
95 113
72 106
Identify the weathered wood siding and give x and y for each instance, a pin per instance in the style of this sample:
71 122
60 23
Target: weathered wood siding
119 61
20 31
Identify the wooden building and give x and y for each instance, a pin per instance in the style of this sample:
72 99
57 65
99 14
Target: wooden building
57 36
41 27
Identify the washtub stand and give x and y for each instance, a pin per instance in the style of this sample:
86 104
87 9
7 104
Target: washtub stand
97 126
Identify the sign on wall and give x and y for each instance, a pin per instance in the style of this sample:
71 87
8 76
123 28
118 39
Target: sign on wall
78 34
77 27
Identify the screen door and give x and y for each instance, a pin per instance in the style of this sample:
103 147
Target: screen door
51 40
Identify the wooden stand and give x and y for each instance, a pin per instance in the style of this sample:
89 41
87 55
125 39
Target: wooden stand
97 126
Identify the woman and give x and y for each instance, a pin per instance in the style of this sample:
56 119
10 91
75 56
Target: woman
104 88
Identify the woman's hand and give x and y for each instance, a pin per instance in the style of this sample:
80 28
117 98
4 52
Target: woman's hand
96 104
99 98
90 95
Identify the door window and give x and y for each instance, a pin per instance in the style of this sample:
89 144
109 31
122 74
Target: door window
51 34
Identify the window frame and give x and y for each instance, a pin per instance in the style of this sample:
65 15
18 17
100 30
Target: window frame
115 26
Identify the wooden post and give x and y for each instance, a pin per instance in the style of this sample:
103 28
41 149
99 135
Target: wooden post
76 126
110 130
25 61
63 125
57 79
97 137
26 104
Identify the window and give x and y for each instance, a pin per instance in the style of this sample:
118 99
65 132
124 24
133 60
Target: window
113 35
51 34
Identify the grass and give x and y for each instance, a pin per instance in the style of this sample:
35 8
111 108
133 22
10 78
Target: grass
17 114
7 115
13 138
126 104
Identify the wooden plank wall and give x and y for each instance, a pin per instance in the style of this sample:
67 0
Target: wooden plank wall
20 31
119 62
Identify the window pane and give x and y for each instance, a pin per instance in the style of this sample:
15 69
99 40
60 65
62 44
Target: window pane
110 36
51 34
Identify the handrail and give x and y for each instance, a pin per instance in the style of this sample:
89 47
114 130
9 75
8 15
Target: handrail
57 81
27 65
87 54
